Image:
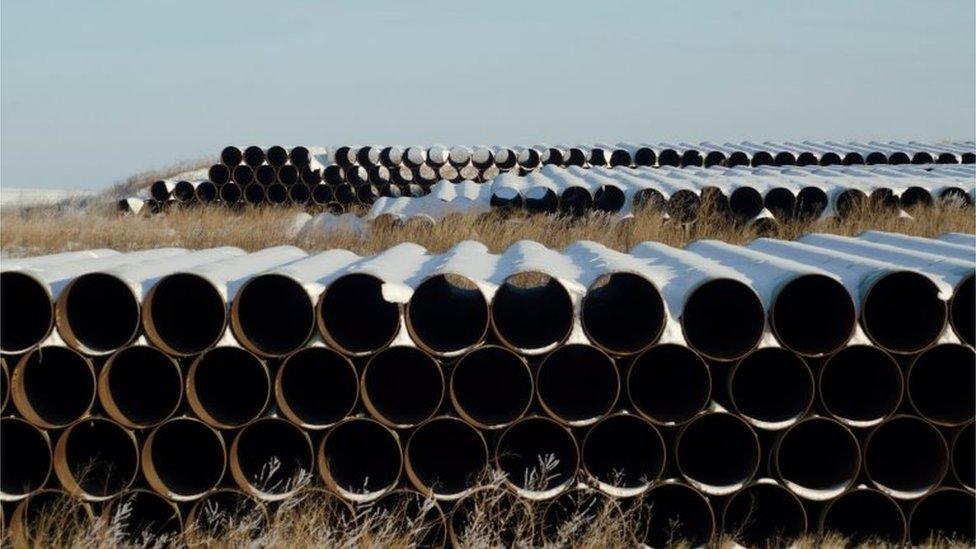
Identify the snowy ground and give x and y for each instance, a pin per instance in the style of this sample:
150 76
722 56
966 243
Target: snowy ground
39 197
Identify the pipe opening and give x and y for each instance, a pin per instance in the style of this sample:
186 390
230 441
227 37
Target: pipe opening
379 175
609 198
781 202
184 314
623 313
25 458
865 516
831 159
53 386
811 202
671 512
99 312
954 197
745 203
813 315
962 314
947 158
650 200
784 158
96 459
691 157
206 191
883 198
903 312
765 515
265 174
572 516
714 158
447 313
684 206
402 386
277 156
26 312
273 315
906 457
184 459
723 319
669 157
300 193
142 515
851 158
37 520
243 175
624 453
227 387
511 519
390 191
669 384
219 174
577 384
300 156
771 388
964 456
900 158
160 190
345 193
541 199
254 156
817 458
367 194
763 158
645 156
444 457
491 387
276 194
310 177
333 175
717 434
287 175
738 158
860 385
231 156
922 157
140 386
913 197
575 157
553 156
620 157
360 458
947 513
354 315
322 194
223 511
408 511
575 201
876 157
317 387
538 456
269 457
254 193
940 384
532 312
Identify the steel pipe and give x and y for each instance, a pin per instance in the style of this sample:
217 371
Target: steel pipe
402 386
864 515
817 458
573 516
183 459
53 386
206 192
490 515
140 386
710 435
276 194
531 312
230 193
964 455
96 459
669 384
410 512
140 515
577 384
360 459
265 175
623 313
860 385
49 516
25 459
255 194
764 514
623 455
242 175
316 387
447 315
673 511
538 456
939 384
270 458
224 511
945 514
227 387
272 315
353 316
771 388
219 174
491 387
162 190
905 457
254 156
444 457
300 156
231 156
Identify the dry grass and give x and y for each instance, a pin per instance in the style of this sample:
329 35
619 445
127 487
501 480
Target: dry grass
46 230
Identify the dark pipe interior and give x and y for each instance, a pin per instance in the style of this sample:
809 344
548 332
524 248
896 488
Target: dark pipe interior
277 156
831 159
818 454
714 158
575 157
254 156
274 314
575 201
669 157
765 515
231 384
404 385
903 313
26 313
184 192
448 313
320 385
675 512
940 384
714 199
219 174
623 313
683 206
254 193
865 516
706 438
333 175
300 193
738 158
243 175
745 203
368 157
221 510
962 312
58 383
288 175
230 193
25 457
915 196
101 312
342 156
620 157
159 190
362 456
609 198
900 158
554 157
492 386
578 383
512 519
645 157
277 194
322 194
548 202
146 516
405 510
598 157
723 319
781 202
206 191
355 315
884 198
969 158
265 174
906 454
367 194
270 441
806 159
46 510
145 384
188 456
379 175
860 383
575 513
947 158
947 514
524 445
186 313
813 315
771 385
922 157
299 156
650 199
531 159
624 451
310 176
964 455
876 157
763 158
955 197
851 158
446 455
231 156
784 158
345 194
669 383
692 157
532 316
101 456
810 203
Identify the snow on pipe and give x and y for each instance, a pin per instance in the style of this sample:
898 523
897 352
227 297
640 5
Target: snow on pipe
865 515
905 457
444 456
491 387
817 458
26 457
37 511
227 387
771 388
964 455
149 516
102 462
672 510
945 513
623 454
860 385
140 386
270 440
717 434
522 446
216 513
316 387
577 384
763 511
183 459
360 459
402 386
669 384
447 315
53 386
939 383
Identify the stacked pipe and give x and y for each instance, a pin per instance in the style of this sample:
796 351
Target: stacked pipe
773 389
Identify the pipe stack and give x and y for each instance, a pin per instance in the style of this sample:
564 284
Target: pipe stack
826 382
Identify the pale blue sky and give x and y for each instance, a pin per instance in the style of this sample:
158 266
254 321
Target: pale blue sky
92 92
